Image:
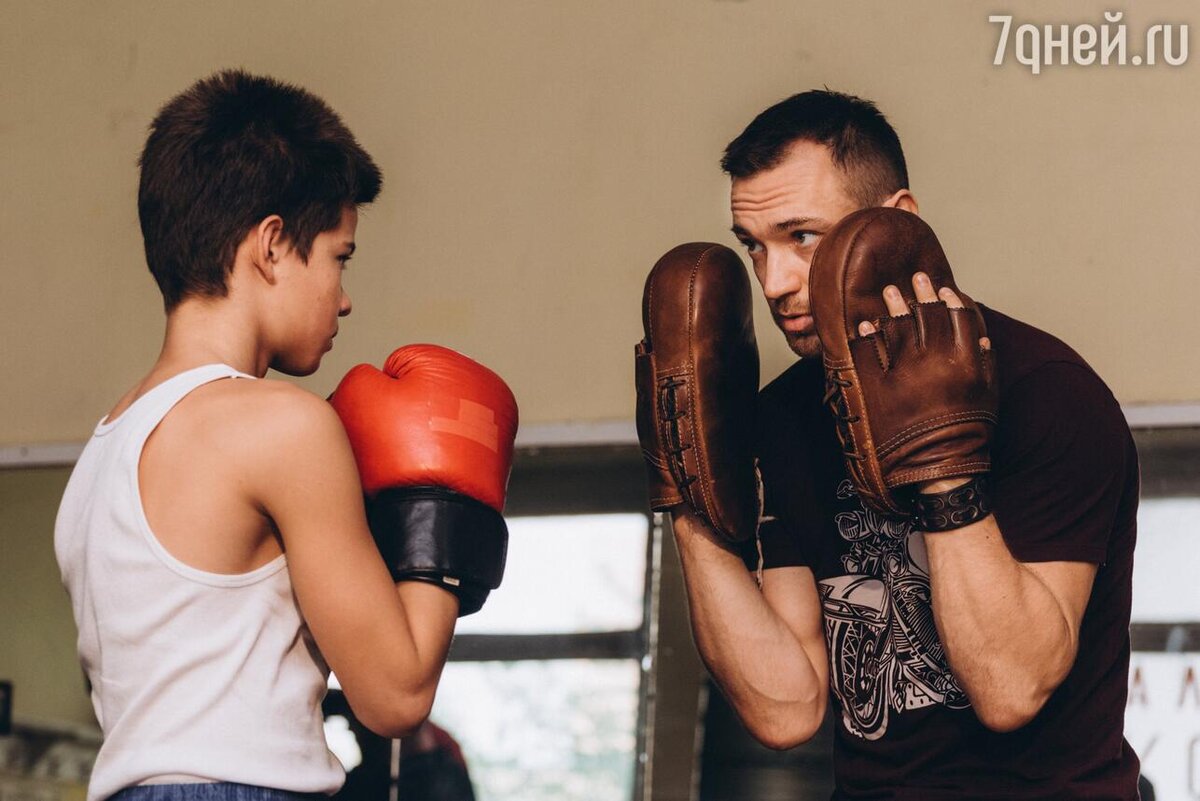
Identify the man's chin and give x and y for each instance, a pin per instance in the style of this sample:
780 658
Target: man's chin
806 346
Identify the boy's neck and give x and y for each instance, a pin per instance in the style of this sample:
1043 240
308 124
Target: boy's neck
211 330
202 331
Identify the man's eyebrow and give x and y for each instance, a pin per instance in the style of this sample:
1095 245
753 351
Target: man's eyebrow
797 222
790 224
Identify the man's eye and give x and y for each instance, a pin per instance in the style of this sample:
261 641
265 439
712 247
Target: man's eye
751 247
804 237
344 261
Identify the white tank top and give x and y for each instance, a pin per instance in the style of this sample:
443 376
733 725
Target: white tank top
195 676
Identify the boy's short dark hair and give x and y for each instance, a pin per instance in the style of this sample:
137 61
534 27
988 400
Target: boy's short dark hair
862 142
229 151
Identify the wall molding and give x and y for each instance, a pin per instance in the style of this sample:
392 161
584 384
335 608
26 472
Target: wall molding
1162 415
54 454
579 433
597 432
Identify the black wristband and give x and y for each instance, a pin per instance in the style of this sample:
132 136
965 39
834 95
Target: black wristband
953 509
442 537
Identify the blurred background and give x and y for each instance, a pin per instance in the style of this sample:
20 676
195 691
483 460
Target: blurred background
539 155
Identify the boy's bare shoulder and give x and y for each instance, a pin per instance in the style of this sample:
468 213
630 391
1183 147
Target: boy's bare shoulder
264 418
266 394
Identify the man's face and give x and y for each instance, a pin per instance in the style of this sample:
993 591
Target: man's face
780 215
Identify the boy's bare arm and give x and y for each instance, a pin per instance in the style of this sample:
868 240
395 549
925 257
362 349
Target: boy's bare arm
387 643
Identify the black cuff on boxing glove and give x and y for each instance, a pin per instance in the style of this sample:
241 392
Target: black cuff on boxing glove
443 537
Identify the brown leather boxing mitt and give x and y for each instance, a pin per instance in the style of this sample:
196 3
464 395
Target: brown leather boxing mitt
915 401
697 387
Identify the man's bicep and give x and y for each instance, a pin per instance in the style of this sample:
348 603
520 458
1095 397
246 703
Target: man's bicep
1062 466
1071 585
792 594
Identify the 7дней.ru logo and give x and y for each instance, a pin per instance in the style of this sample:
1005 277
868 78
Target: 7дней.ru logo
1038 46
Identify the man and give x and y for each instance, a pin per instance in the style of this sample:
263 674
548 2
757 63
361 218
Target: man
986 662
212 536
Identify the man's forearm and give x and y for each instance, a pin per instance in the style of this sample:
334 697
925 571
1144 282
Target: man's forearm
1009 638
775 685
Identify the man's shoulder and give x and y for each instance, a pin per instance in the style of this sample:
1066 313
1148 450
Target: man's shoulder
1048 392
1021 349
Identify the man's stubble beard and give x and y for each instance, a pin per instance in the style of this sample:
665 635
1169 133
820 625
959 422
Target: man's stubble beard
805 346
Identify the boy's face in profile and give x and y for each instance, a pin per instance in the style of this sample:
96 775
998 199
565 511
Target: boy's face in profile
310 298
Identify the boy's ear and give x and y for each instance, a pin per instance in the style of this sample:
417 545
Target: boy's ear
267 246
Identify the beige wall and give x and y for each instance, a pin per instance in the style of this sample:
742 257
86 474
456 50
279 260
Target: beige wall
540 155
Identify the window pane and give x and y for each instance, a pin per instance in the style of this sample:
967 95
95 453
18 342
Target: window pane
568 574
544 731
1167 561
1162 719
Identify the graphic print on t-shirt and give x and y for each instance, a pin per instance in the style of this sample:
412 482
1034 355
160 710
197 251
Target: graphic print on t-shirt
884 652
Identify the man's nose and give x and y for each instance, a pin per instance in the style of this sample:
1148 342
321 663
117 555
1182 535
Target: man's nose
783 274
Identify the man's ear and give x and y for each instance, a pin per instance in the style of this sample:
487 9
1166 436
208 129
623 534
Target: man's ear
904 200
267 247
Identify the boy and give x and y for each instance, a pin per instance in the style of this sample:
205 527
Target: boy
212 536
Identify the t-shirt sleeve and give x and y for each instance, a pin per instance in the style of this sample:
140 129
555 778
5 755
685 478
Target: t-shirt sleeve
1062 462
787 487
778 544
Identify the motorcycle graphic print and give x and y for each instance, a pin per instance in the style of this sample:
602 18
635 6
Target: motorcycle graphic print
884 652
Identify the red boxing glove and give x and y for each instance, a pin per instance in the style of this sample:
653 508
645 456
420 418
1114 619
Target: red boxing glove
430 417
433 435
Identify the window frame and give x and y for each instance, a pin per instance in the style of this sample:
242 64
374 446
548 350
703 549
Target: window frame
585 480
1169 457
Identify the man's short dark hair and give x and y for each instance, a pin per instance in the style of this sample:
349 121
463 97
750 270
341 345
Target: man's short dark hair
228 152
862 142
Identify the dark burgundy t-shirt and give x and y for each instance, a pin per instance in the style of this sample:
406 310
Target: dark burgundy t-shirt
1066 488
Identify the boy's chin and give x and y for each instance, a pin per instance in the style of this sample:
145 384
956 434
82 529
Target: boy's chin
297 368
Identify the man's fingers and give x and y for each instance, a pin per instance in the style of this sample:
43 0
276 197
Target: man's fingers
948 296
866 329
894 301
924 288
985 343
